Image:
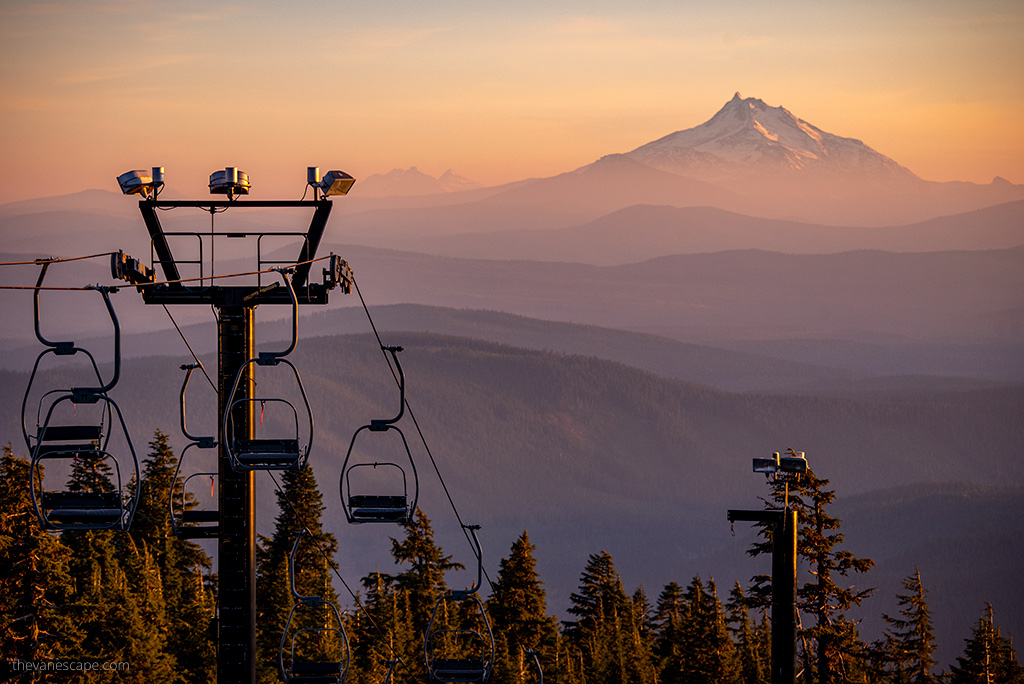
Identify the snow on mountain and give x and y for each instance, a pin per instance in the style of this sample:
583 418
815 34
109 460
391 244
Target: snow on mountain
749 138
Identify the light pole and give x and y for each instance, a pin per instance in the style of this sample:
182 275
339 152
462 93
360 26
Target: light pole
780 468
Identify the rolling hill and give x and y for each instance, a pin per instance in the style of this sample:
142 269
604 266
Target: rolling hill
588 454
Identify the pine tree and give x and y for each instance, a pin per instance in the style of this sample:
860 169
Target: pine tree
910 639
300 509
424 581
518 610
819 545
182 565
138 592
989 658
705 653
116 595
640 660
668 625
606 633
382 631
753 640
34 575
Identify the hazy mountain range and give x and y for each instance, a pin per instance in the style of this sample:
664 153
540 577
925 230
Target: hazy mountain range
598 354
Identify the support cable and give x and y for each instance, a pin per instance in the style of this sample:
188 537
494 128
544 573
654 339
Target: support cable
291 506
179 281
426 446
408 408
55 260
337 573
191 351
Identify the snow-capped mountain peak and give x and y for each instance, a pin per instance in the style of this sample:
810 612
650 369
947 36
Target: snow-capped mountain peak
747 137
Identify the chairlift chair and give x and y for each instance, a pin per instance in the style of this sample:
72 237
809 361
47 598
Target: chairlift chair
296 669
280 452
196 522
60 349
535 658
455 667
377 507
56 441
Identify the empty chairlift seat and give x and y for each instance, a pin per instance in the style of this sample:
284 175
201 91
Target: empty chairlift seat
189 518
465 654
282 450
98 494
383 492
312 655
104 484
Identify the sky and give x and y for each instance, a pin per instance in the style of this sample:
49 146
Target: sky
495 92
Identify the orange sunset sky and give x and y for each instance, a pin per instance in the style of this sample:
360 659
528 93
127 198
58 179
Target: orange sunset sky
495 91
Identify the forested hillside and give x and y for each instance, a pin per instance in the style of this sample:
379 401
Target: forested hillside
590 455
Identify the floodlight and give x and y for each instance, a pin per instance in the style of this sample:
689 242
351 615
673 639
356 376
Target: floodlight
229 182
793 462
139 182
312 175
335 183
766 465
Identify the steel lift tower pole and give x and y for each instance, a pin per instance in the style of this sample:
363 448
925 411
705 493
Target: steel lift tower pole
235 306
783 521
236 634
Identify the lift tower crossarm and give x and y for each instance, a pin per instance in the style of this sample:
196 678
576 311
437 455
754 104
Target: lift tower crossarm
175 293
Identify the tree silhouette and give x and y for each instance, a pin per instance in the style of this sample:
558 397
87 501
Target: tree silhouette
518 609
819 544
905 653
989 657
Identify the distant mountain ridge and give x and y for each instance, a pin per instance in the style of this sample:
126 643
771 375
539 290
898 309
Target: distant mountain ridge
644 231
411 182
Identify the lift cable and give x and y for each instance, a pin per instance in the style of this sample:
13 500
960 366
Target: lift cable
288 502
332 564
284 496
430 454
54 260
191 351
180 281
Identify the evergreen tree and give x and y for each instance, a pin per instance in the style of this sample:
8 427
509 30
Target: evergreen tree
117 599
300 509
819 544
910 639
182 565
605 632
668 626
423 582
381 632
34 575
989 658
137 589
518 610
705 653
640 660
752 639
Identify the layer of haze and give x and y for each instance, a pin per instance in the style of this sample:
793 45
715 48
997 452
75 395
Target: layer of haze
497 92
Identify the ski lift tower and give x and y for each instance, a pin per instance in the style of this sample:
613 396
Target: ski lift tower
783 468
235 306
